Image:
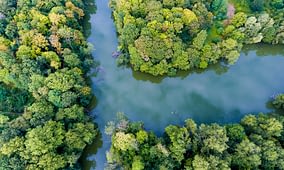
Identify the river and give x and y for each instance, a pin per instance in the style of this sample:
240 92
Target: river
219 94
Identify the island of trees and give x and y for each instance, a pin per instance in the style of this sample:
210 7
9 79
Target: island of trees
44 61
161 37
257 142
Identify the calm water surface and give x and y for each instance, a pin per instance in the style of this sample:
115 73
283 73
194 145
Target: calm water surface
219 94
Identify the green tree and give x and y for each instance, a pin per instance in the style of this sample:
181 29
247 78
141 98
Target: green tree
212 138
247 155
179 142
257 5
124 142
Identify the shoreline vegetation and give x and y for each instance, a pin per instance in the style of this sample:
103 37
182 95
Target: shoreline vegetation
164 37
45 94
257 142
44 90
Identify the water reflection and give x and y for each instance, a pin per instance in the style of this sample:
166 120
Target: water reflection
89 10
264 50
87 159
218 94
219 69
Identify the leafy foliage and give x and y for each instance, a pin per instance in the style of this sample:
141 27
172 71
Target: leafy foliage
255 143
44 59
162 37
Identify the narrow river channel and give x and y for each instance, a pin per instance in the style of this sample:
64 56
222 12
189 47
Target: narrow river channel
220 94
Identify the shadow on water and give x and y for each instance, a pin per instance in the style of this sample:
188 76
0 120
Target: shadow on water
263 50
219 69
86 158
90 8
217 94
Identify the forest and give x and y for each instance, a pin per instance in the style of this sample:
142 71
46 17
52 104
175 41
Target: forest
162 37
44 94
46 63
257 142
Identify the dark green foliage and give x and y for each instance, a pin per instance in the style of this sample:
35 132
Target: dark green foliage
279 101
13 100
44 59
278 4
257 5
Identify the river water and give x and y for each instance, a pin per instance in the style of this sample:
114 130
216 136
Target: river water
219 94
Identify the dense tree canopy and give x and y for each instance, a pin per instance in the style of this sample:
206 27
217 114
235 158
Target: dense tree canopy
257 142
162 37
44 59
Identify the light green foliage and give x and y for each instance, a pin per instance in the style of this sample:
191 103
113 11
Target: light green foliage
213 138
199 40
124 141
52 58
71 114
14 145
72 60
142 136
188 17
180 141
137 164
263 125
3 120
253 144
151 34
279 101
208 163
44 59
199 163
247 155
60 99
239 19
271 155
79 136
42 140
158 37
64 80
232 57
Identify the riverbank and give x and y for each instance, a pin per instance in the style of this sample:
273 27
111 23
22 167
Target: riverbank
218 94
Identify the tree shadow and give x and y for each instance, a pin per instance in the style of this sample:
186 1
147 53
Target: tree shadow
90 8
219 69
86 160
263 50
269 105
